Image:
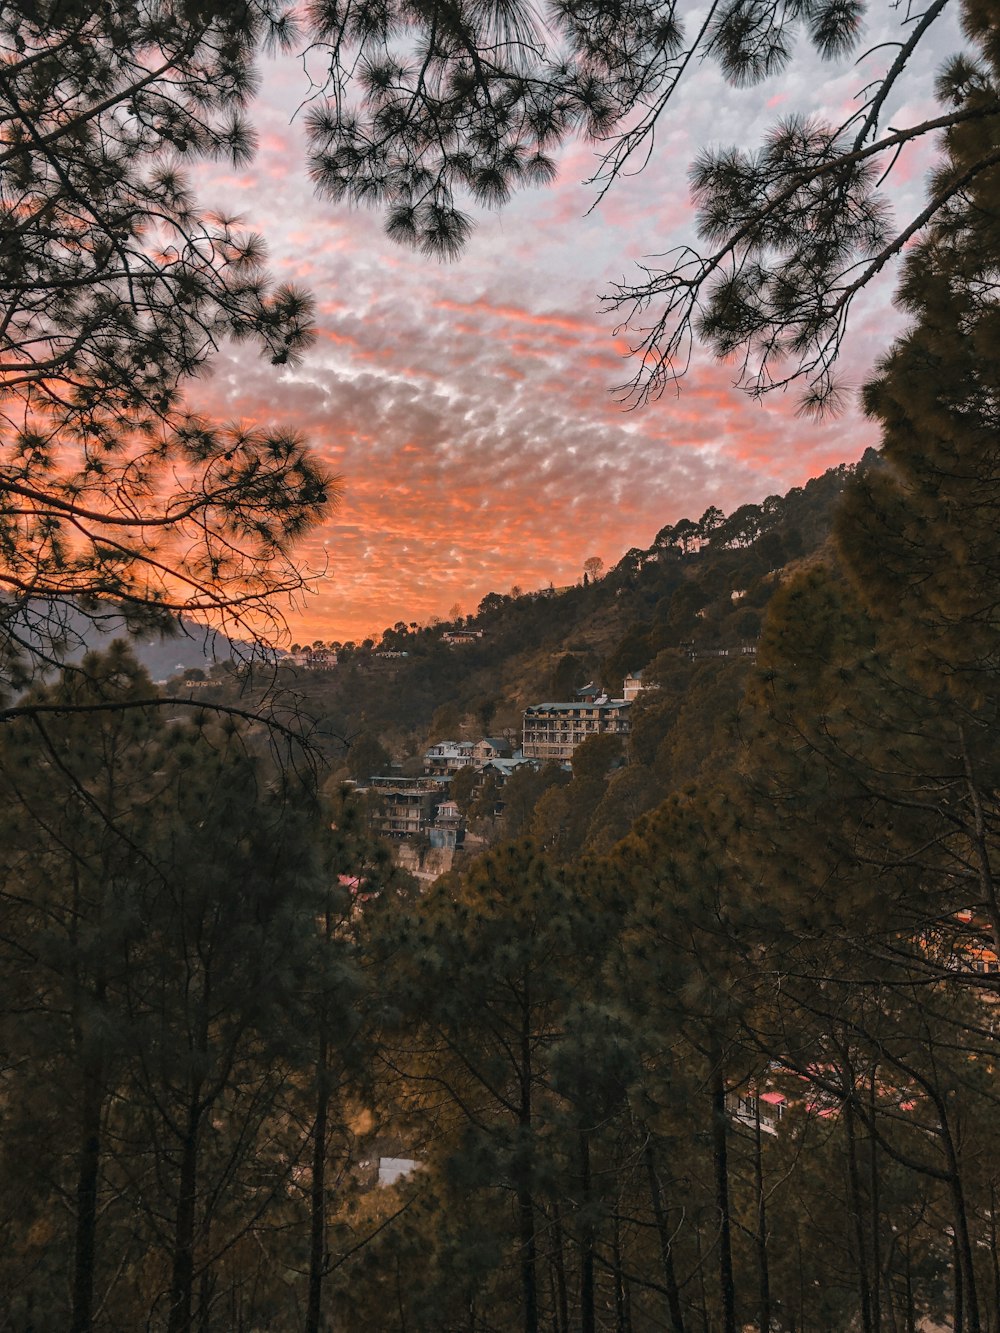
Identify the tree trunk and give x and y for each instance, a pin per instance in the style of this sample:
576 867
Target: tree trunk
559 1262
720 1134
88 1169
760 1240
911 1309
874 1225
857 1217
702 1293
525 1199
526 1227
182 1278
587 1311
994 1256
622 1303
317 1190
666 1248
966 1297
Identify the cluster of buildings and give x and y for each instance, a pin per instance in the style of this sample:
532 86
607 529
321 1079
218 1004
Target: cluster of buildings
410 808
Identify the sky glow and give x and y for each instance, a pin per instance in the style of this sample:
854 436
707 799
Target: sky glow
467 406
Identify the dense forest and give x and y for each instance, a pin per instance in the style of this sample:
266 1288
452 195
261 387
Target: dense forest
706 1041
729 1064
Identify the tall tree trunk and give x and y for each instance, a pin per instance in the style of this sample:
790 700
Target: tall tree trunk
720 1157
587 1311
874 1225
666 1248
206 1288
526 1227
911 1309
856 1210
702 1292
966 1297
525 1199
994 1256
622 1314
87 1175
559 1263
317 1193
182 1278
760 1240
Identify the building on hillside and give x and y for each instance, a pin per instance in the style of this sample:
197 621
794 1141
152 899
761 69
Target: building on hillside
748 1108
490 748
455 636
448 757
501 769
634 684
554 730
589 692
696 654
311 659
405 807
448 827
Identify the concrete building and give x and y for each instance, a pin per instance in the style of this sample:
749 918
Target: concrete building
490 748
633 685
448 757
405 807
554 730
459 636
448 826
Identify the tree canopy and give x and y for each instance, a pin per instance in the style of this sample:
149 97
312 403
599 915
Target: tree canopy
115 289
427 108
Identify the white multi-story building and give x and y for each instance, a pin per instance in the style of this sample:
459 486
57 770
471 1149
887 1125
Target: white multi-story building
448 757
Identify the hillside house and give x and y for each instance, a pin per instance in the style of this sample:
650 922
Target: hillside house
459 636
554 730
311 659
490 748
501 769
448 757
634 684
448 827
405 807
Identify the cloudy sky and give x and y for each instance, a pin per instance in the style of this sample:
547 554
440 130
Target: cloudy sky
467 406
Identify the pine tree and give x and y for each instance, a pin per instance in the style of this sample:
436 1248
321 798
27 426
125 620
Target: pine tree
116 289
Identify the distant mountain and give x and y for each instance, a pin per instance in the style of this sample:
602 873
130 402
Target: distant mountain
192 646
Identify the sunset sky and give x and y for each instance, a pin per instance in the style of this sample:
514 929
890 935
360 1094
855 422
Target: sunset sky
466 406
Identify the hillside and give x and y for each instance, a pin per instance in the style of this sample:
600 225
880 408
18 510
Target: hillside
686 611
700 586
190 647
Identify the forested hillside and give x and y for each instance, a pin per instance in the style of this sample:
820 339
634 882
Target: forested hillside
700 585
686 611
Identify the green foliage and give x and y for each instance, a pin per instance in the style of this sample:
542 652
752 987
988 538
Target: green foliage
161 887
367 757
